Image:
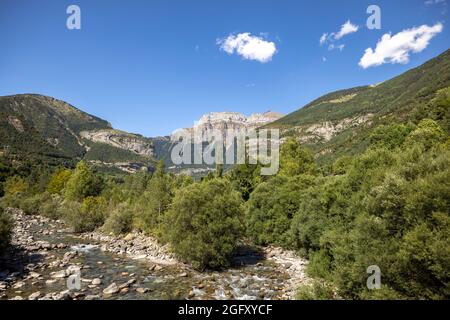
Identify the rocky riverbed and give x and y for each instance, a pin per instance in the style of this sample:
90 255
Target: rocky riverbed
45 257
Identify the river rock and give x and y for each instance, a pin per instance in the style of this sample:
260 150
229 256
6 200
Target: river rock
111 289
58 274
96 281
18 285
129 237
141 290
34 296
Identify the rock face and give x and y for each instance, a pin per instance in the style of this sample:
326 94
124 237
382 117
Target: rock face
121 140
224 121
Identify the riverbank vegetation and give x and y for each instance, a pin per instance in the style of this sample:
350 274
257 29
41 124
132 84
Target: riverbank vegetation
388 206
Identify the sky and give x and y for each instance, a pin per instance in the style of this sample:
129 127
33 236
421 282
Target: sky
150 67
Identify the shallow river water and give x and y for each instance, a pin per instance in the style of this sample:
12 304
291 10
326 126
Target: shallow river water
34 271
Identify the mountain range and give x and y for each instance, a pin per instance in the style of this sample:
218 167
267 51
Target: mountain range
54 132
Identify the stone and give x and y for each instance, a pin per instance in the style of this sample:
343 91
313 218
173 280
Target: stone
157 268
92 297
129 237
183 275
50 281
96 281
18 285
34 296
141 290
111 289
59 274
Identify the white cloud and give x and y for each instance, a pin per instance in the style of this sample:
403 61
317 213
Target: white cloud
346 28
248 46
397 48
431 2
323 38
339 47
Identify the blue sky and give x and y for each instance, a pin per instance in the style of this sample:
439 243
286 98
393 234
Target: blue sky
151 67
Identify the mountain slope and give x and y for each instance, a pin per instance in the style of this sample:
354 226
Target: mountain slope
339 122
55 132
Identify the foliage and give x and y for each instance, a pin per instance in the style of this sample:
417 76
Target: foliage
120 220
87 216
390 209
83 183
295 159
271 207
155 201
15 185
244 179
5 229
58 181
316 291
203 224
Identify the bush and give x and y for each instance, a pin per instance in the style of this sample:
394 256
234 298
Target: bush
271 207
5 229
316 291
83 183
30 205
296 159
50 206
15 185
87 216
320 264
58 181
120 220
203 224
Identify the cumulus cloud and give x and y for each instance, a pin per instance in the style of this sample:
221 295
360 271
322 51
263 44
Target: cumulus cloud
397 48
346 28
248 47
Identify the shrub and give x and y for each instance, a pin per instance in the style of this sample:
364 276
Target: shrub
316 291
320 264
87 216
296 159
203 224
50 207
58 181
15 185
120 219
271 207
5 229
83 183
30 205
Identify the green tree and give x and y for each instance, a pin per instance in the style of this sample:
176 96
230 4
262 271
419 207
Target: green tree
295 159
58 181
83 183
203 224
85 217
271 208
155 201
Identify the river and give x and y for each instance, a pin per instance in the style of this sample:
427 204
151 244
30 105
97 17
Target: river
45 254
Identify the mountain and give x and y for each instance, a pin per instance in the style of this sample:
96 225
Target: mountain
340 122
54 132
219 122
